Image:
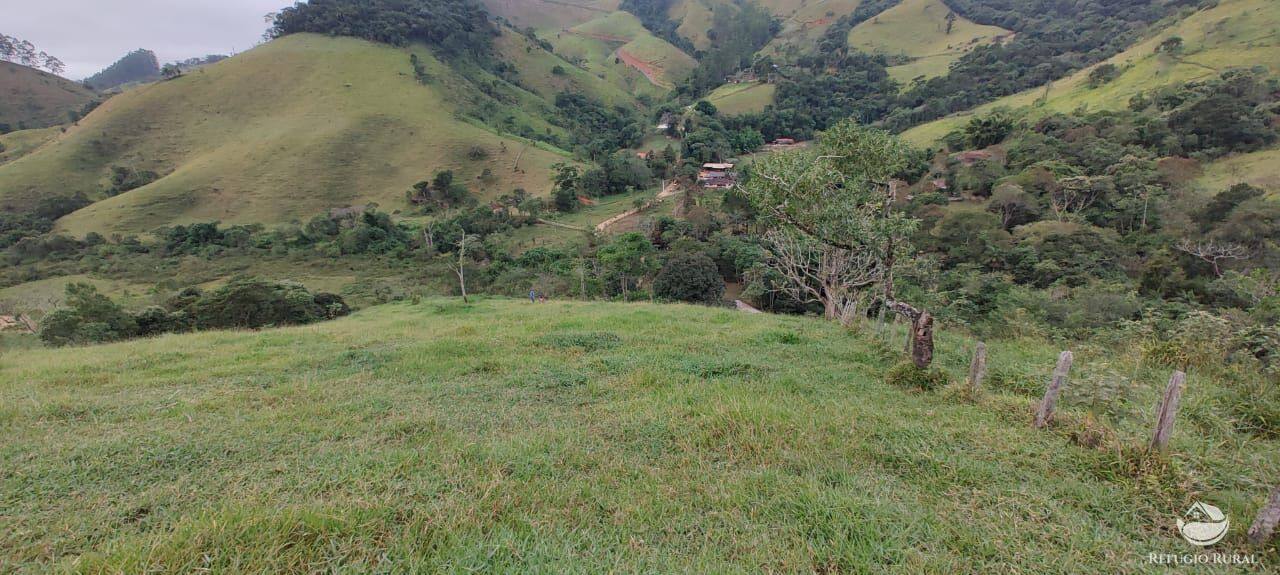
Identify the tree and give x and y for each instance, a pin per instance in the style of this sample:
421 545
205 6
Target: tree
170 71
465 243
988 130
841 194
705 108
1212 253
629 256
951 22
819 273
690 277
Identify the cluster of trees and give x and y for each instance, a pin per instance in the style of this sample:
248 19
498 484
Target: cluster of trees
598 131
737 33
1101 204
453 27
23 52
243 303
136 66
618 173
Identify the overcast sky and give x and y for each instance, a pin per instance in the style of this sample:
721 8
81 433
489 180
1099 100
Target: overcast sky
88 35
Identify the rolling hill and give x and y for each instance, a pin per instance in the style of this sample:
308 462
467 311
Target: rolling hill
619 40
341 122
578 437
30 98
914 36
1232 33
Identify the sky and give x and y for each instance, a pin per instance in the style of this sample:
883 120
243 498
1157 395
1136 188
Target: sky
88 35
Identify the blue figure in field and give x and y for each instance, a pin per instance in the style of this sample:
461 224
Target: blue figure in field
533 296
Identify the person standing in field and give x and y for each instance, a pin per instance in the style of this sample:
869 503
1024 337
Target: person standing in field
533 296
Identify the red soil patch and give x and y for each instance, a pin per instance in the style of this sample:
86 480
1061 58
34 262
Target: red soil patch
652 73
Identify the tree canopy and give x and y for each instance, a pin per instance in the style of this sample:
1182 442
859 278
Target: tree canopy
455 27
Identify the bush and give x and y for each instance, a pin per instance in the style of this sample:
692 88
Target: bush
89 317
690 277
255 303
907 375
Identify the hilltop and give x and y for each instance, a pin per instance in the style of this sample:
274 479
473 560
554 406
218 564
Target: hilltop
31 98
581 438
342 122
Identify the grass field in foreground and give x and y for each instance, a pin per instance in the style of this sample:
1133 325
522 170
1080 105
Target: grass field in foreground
570 438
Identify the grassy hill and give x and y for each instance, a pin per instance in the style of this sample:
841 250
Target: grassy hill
30 98
745 98
619 40
572 438
550 15
915 34
21 143
341 122
1234 33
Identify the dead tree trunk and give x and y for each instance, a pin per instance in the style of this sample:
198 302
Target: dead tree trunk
1168 411
978 368
1267 519
922 340
1050 401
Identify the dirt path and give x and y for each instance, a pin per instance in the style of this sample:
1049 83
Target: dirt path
650 72
671 190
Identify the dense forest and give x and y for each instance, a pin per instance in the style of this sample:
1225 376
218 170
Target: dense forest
454 27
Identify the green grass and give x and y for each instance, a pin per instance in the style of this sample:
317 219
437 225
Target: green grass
36 99
734 99
343 122
572 438
550 14
1261 169
1234 33
916 30
48 294
23 142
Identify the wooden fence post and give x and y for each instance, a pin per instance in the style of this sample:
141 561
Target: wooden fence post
978 368
1054 390
1168 411
1267 519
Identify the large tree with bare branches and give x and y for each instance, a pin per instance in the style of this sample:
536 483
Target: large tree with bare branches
839 194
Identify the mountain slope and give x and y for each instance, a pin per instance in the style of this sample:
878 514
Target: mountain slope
1233 33
30 98
618 48
915 37
283 132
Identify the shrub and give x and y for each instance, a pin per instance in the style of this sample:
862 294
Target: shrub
89 317
690 277
907 375
332 306
254 303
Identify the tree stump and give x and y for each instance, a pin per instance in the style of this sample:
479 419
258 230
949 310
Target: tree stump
922 340
978 368
1267 519
1045 413
1168 411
